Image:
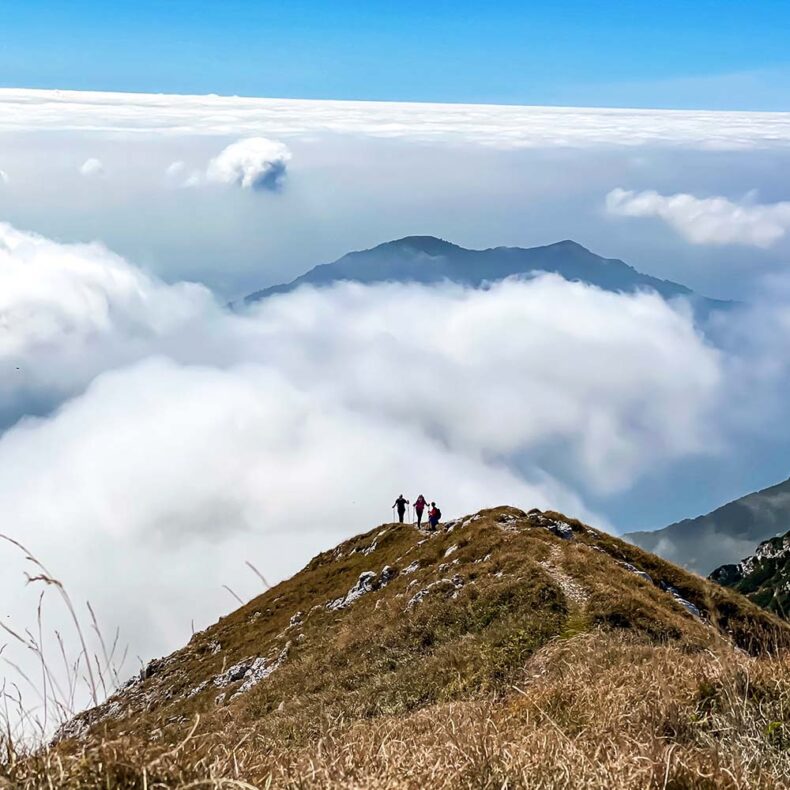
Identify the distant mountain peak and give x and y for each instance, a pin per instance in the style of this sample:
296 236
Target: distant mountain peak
429 260
430 245
570 244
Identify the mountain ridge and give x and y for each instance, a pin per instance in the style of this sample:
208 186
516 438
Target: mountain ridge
403 636
431 260
723 535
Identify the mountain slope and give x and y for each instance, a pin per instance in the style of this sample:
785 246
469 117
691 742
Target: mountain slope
510 649
426 259
723 535
763 577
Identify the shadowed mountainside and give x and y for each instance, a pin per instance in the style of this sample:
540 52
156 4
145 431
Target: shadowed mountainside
724 535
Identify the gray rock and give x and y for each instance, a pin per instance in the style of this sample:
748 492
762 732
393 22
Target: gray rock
688 606
561 530
233 674
363 586
453 584
636 571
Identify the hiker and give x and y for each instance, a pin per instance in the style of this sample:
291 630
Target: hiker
400 504
419 506
434 514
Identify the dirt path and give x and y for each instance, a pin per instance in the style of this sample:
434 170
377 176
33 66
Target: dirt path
574 591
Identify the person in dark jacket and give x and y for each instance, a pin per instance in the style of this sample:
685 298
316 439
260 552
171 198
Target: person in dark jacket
400 504
419 507
434 514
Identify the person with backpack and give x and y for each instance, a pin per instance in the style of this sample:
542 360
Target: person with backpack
400 504
419 506
434 514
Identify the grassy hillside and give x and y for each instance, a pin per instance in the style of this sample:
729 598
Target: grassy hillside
518 650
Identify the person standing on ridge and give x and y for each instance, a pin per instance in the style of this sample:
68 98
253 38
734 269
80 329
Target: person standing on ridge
419 506
400 504
434 514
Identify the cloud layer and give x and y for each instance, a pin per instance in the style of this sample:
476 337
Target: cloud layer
713 220
176 440
501 126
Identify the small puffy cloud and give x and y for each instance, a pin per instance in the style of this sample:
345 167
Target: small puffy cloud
175 169
177 175
713 220
92 167
252 163
194 179
3 177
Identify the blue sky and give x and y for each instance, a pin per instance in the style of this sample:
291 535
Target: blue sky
717 55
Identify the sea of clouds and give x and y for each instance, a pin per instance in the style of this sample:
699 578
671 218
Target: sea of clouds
155 441
175 440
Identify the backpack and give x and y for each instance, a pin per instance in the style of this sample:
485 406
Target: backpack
437 514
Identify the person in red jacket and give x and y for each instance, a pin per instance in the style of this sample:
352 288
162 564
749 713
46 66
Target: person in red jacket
434 514
419 506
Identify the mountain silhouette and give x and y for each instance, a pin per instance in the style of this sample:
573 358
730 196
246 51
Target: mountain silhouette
429 260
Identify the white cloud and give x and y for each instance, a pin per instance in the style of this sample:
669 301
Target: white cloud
189 439
194 179
176 175
175 169
3 177
252 163
70 311
501 126
92 167
713 220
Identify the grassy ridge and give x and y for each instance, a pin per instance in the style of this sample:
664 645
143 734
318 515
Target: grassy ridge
495 653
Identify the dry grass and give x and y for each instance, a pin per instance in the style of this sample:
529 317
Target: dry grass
519 679
600 710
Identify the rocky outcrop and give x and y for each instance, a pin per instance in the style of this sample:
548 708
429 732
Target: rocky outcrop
366 583
763 577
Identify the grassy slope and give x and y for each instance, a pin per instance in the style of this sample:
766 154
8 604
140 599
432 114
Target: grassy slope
546 658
